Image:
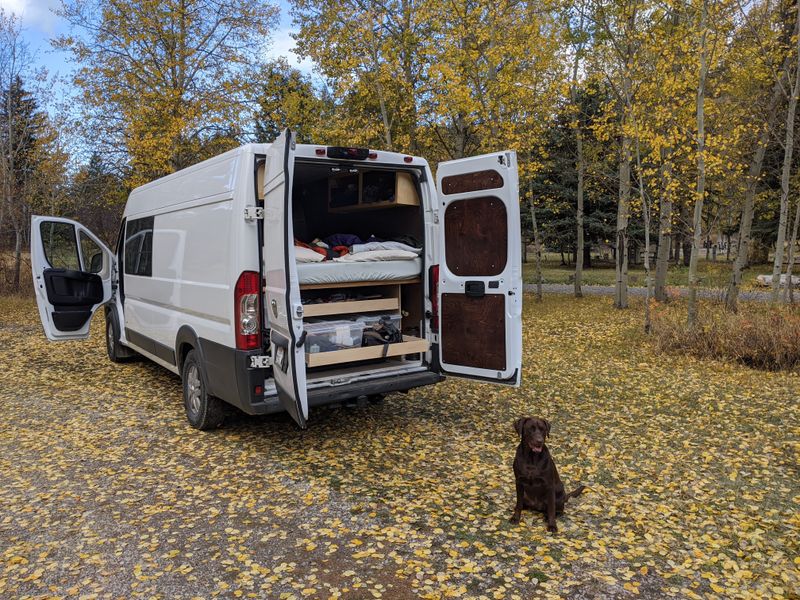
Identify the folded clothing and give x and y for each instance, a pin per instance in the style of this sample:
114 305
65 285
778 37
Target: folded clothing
342 239
321 248
377 255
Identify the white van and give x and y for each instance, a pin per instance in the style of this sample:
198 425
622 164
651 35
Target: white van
219 275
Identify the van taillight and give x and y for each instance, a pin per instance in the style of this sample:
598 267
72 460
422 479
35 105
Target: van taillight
433 281
247 319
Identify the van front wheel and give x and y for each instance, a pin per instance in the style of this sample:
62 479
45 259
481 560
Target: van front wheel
203 410
116 352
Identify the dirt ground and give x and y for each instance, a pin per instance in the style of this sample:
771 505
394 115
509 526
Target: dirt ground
692 470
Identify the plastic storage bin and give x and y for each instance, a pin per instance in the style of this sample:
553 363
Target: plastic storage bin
326 336
369 321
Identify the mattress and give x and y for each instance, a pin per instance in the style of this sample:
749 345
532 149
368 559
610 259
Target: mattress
330 272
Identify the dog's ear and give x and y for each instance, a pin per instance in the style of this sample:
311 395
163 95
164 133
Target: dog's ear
546 427
519 424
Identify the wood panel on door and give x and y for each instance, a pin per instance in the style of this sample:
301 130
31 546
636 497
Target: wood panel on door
474 331
476 237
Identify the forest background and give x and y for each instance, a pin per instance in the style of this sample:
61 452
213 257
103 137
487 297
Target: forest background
649 132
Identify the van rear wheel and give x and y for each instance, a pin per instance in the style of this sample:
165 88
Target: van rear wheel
203 410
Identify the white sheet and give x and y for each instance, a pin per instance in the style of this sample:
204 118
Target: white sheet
330 272
377 255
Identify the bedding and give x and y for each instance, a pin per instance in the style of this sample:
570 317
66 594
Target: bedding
369 246
377 256
307 255
332 272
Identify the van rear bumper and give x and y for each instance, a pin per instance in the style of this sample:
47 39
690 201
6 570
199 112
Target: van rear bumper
383 385
327 395
231 378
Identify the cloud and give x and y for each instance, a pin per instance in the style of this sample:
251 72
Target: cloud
34 14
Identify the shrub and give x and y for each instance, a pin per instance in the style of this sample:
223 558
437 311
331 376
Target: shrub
764 337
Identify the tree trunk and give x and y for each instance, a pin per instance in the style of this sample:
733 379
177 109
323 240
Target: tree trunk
623 207
646 217
17 254
664 234
788 293
537 250
579 249
581 165
753 175
701 172
777 267
687 250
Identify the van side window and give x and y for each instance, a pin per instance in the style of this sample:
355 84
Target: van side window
139 247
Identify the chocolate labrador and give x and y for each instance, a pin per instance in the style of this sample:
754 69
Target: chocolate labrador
539 487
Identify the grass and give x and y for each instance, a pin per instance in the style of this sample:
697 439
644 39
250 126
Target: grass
714 275
759 335
690 464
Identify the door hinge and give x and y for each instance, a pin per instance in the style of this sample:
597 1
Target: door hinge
436 217
253 213
260 362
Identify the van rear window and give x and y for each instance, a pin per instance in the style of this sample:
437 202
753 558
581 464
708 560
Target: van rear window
139 247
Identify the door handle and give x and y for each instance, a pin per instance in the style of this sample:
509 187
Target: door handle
475 289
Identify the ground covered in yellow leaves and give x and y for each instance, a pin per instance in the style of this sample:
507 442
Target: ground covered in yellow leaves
692 470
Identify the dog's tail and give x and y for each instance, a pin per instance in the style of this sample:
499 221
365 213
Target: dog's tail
575 493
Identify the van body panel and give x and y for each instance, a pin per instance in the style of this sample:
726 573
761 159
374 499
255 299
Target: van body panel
190 235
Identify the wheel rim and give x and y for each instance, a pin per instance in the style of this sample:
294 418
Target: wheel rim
194 389
110 338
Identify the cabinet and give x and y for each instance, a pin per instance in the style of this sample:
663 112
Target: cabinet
389 303
365 190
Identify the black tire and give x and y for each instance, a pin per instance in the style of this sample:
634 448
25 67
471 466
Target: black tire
376 398
116 353
203 411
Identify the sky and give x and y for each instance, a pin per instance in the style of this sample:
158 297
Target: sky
40 24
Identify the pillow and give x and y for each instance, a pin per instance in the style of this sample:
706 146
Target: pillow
377 255
307 255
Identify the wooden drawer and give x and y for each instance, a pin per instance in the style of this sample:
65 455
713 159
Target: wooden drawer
351 306
409 345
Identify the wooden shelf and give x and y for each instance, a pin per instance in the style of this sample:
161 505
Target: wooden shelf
409 345
346 284
351 306
405 191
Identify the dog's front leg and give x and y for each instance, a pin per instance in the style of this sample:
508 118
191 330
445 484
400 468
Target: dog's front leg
551 510
518 507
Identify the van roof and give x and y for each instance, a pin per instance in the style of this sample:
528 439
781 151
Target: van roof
219 175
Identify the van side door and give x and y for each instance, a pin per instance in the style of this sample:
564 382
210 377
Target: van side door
283 307
72 273
479 297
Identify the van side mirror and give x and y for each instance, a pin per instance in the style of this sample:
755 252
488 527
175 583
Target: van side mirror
96 264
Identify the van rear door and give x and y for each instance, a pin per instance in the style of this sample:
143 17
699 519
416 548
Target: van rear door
283 307
479 295
72 272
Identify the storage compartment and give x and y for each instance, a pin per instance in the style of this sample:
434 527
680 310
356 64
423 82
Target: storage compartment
343 190
374 321
330 203
409 345
330 336
349 301
370 189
